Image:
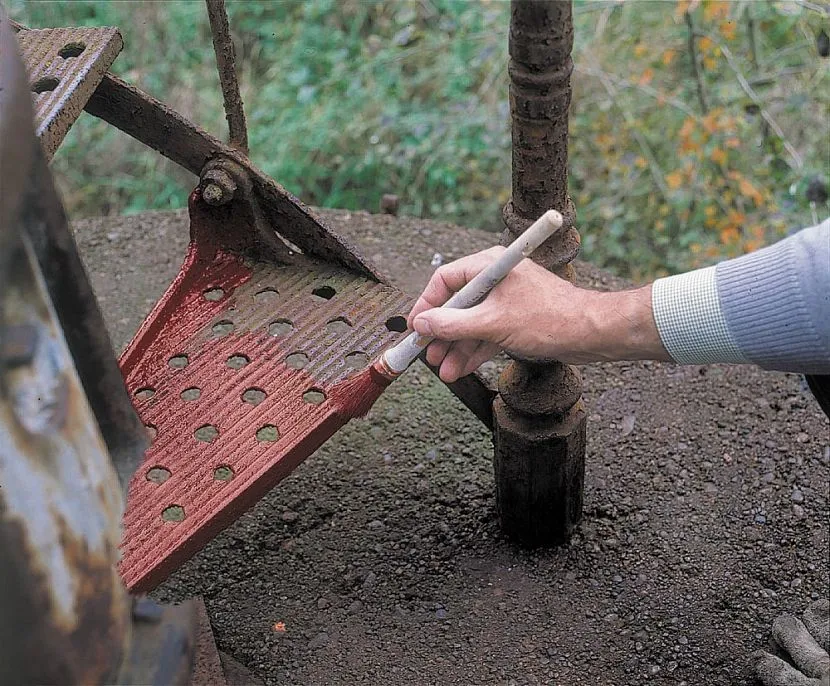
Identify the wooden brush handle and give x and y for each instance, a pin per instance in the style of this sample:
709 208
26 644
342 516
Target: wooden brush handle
399 357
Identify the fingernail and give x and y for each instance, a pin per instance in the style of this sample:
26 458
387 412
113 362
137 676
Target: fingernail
422 326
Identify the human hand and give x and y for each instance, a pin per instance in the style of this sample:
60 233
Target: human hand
807 643
532 314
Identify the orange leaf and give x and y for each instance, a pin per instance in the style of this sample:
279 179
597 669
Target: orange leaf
733 142
674 179
716 9
704 43
749 191
668 57
640 49
718 156
727 29
646 77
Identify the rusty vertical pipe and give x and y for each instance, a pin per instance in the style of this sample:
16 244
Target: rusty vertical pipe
540 420
226 64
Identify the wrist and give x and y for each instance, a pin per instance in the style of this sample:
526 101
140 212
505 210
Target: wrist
621 326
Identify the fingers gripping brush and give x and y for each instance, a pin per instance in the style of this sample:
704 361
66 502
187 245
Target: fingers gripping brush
355 396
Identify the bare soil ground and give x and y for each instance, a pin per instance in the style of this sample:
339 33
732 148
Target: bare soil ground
706 515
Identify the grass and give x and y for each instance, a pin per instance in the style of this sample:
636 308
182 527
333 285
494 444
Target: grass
349 100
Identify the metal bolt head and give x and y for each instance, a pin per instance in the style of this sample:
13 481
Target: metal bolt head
218 187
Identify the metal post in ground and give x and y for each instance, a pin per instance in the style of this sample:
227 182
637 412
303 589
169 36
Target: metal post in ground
539 416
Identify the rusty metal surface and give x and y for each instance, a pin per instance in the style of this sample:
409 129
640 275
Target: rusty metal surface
64 613
230 372
65 67
225 63
539 436
166 131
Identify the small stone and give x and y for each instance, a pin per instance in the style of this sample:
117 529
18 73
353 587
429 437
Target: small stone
355 607
797 496
802 437
638 647
112 236
323 603
289 516
795 583
798 511
760 519
653 669
319 641
370 580
431 454
375 524
441 613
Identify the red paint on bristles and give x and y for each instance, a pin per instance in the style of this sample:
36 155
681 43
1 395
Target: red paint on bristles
354 397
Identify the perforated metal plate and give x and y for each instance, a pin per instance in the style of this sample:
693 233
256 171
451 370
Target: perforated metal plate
65 67
231 372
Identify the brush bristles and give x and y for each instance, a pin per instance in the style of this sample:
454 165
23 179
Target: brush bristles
354 397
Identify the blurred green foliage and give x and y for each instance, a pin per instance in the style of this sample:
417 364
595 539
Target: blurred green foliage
347 100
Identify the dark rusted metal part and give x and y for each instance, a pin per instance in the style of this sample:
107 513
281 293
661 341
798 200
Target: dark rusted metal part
64 611
44 220
254 337
64 614
65 67
157 126
540 420
218 187
226 64
163 644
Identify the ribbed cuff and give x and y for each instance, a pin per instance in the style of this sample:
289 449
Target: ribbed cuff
690 320
764 304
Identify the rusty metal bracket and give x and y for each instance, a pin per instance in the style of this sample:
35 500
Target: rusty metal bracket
225 63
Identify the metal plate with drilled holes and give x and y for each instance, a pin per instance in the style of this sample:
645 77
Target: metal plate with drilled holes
65 67
230 373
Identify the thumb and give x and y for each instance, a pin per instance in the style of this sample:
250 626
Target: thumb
450 324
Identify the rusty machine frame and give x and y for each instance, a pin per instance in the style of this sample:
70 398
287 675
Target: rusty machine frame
71 441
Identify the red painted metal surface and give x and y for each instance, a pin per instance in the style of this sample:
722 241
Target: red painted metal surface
230 372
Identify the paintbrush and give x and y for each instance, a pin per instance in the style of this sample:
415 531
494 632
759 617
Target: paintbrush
355 396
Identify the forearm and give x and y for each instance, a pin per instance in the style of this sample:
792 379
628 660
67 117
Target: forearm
619 326
770 308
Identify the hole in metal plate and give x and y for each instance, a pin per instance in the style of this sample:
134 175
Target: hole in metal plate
206 433
73 49
280 327
191 393
253 396
266 295
357 359
158 475
222 328
267 433
324 292
297 360
237 361
223 473
45 84
178 361
396 324
145 393
339 325
152 431
314 396
173 513
213 294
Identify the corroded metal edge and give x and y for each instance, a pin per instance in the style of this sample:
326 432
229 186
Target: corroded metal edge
77 59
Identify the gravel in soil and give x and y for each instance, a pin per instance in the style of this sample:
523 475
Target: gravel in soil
379 560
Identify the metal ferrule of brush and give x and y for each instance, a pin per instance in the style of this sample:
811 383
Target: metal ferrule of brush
396 360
